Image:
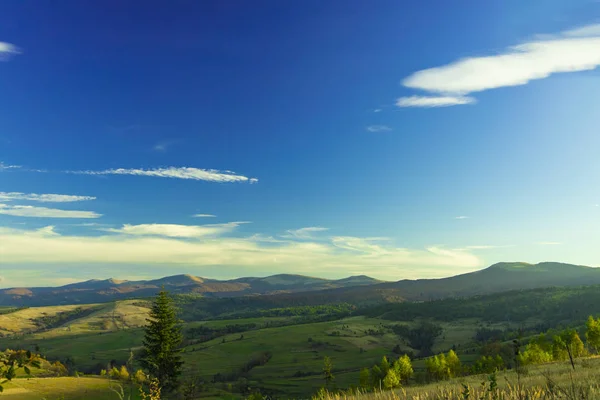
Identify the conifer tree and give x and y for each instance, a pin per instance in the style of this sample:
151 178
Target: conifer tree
162 339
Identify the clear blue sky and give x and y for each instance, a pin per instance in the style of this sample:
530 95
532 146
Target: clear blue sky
394 139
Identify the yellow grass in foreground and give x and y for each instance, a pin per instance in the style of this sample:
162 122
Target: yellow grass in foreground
550 381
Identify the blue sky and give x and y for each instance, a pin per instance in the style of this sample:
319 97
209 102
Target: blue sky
394 139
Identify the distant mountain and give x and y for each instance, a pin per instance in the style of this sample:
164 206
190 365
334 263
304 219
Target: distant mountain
499 277
286 289
96 291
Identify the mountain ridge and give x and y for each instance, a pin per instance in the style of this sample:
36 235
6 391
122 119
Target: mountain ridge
498 277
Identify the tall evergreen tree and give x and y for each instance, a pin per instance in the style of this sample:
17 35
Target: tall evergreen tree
162 340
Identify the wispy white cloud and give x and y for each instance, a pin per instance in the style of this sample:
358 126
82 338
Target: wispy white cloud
379 128
485 247
174 230
584 31
7 50
361 245
204 215
305 233
461 217
339 255
209 175
377 110
6 166
164 145
44 198
569 51
549 243
434 101
44 212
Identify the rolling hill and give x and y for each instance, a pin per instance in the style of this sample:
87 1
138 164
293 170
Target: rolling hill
99 291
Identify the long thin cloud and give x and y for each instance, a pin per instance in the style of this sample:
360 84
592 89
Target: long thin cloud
378 128
44 212
43 198
569 51
434 101
209 175
174 230
5 166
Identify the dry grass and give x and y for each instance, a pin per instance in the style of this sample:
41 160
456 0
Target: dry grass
24 321
66 388
112 317
551 381
107 317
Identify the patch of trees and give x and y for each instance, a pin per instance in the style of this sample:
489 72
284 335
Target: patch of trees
421 338
289 305
554 306
484 335
443 366
8 310
563 346
200 334
257 360
386 375
61 318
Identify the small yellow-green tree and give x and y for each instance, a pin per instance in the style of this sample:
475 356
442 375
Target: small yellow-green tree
391 379
592 334
139 377
403 368
453 363
365 379
123 373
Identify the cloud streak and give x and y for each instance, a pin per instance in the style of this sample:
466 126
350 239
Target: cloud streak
569 51
177 231
44 212
209 175
5 166
204 216
434 101
305 233
379 128
43 198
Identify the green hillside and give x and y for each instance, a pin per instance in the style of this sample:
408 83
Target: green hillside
285 349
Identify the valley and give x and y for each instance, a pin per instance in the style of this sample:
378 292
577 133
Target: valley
277 342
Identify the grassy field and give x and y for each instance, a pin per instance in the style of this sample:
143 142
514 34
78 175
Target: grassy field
297 350
29 320
106 317
109 332
65 388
